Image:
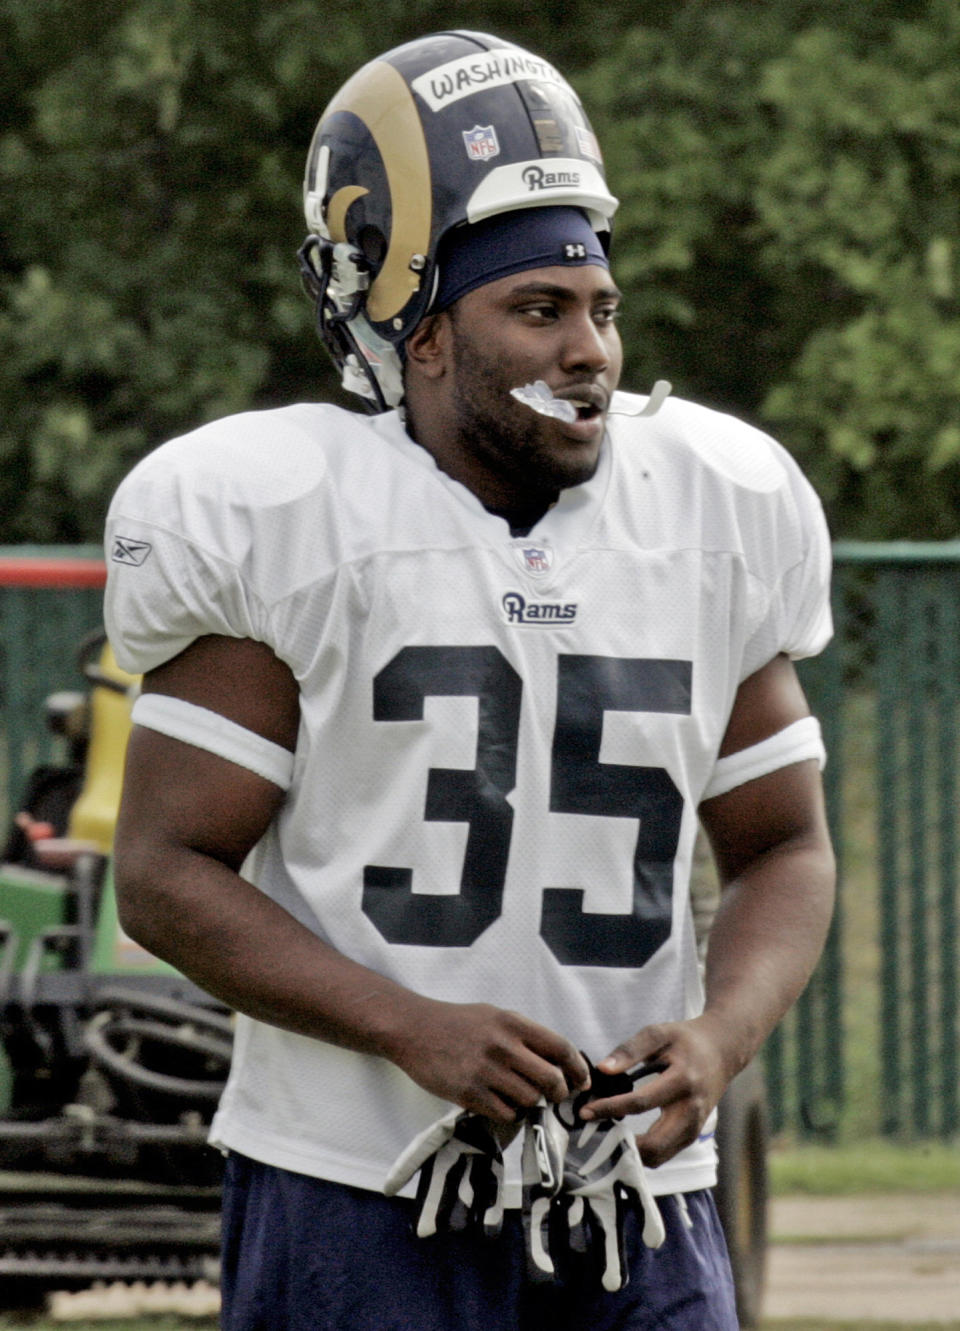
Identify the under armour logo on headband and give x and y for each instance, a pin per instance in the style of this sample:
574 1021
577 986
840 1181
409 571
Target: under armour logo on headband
517 241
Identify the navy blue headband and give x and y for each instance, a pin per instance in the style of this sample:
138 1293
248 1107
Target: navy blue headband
513 242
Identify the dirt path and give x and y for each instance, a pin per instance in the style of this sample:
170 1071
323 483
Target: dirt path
890 1257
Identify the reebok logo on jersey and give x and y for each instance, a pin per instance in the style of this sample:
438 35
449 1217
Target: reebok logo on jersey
518 610
127 551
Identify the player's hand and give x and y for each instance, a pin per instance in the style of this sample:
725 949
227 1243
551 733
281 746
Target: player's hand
695 1075
460 1159
492 1061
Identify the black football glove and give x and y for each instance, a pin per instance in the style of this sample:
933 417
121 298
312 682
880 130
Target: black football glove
460 1158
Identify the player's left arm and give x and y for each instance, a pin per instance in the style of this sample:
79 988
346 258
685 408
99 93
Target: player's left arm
772 847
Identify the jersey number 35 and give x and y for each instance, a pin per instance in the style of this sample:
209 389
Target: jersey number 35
587 686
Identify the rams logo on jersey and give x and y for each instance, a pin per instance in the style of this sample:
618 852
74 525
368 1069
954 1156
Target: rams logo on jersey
518 610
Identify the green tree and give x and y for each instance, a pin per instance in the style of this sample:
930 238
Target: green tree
789 232
787 238
144 292
863 185
151 153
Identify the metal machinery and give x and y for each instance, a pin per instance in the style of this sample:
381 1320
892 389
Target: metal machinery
110 1062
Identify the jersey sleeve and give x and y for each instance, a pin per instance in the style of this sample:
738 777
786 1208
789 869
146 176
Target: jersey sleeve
173 572
794 560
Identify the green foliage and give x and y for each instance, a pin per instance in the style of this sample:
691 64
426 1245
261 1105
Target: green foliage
787 240
789 237
864 182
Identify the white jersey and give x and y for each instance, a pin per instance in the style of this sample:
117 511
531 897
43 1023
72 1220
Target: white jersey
503 742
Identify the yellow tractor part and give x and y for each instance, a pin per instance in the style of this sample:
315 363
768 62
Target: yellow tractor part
94 815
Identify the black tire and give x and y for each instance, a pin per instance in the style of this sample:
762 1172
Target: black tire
742 1188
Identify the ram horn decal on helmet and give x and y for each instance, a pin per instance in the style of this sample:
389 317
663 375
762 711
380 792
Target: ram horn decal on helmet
441 132
379 97
335 221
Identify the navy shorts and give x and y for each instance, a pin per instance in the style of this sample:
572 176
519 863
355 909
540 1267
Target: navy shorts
302 1254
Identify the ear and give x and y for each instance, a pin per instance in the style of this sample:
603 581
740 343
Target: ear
428 346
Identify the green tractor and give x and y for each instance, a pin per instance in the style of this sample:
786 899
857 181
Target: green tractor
111 1063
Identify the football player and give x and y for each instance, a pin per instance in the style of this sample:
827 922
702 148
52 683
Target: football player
433 700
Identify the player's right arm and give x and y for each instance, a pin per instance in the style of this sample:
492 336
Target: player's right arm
187 821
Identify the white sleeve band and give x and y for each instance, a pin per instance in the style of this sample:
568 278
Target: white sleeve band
793 744
217 734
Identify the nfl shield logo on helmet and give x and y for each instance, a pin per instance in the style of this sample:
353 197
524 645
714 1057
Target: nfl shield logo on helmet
481 143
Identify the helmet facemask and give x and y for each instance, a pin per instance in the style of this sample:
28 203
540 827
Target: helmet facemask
337 277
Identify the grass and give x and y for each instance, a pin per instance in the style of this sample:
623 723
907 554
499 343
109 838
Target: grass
867 1166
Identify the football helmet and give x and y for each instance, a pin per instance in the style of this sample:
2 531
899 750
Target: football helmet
442 131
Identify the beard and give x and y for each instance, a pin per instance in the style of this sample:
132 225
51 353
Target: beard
533 460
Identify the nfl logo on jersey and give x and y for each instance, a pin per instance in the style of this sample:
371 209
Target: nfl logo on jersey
535 558
481 143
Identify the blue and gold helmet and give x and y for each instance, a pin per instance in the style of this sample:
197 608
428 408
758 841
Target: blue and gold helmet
439 133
